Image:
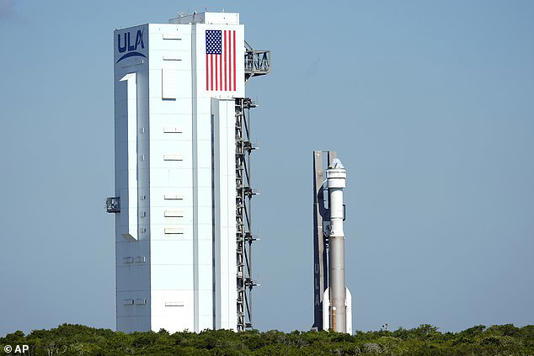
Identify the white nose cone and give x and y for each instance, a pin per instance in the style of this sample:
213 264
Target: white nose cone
336 163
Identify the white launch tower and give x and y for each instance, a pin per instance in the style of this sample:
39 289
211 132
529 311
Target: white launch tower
181 188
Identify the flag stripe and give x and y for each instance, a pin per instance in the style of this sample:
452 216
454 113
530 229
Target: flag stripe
229 60
225 71
234 58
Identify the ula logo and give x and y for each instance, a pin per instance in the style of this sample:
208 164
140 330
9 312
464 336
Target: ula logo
125 44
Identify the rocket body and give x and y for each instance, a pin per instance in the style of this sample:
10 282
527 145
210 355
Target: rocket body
337 297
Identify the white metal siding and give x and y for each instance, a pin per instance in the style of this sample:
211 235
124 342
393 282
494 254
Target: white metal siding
131 182
225 208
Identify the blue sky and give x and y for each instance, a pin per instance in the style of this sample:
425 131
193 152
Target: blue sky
428 104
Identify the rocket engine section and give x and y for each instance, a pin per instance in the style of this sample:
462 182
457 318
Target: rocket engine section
333 304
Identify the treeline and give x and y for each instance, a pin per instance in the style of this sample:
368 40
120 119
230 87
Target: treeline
69 339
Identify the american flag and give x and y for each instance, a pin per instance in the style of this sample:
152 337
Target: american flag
220 60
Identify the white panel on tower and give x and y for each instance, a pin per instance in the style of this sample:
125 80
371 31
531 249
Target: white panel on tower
169 83
129 215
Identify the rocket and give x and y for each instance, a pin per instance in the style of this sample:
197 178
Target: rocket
334 306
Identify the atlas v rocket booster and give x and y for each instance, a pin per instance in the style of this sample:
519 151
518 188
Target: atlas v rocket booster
337 298
333 301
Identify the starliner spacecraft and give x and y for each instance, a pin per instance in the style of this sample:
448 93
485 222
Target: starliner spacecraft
332 298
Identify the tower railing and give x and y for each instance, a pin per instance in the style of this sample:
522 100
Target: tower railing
244 236
257 62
